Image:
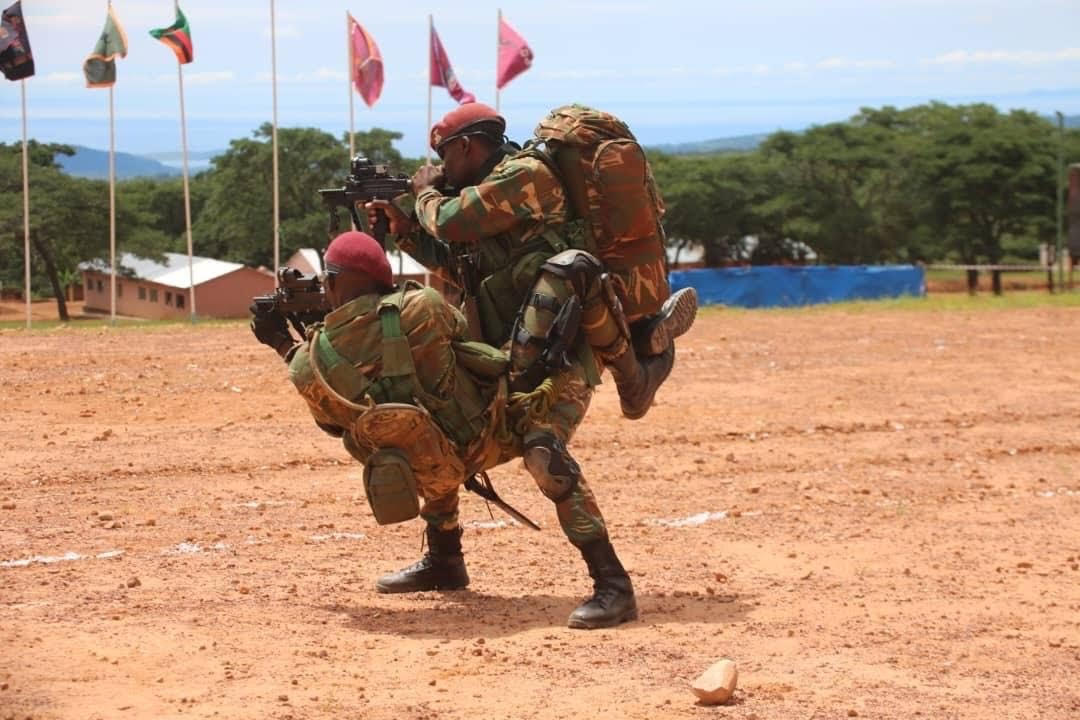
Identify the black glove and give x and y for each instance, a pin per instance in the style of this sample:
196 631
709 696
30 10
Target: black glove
271 329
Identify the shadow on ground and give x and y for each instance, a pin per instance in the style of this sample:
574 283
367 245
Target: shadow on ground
467 614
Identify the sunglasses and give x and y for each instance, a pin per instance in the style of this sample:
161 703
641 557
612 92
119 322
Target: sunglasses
441 150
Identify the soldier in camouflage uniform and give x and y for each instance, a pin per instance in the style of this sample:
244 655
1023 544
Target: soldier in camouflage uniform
342 372
507 225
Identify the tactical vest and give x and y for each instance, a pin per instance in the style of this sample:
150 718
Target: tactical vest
467 418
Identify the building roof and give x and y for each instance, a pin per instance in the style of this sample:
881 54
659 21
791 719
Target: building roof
402 263
173 272
311 255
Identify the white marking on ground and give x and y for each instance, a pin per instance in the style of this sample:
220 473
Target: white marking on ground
492 524
69 556
1055 493
256 504
337 536
190 548
692 521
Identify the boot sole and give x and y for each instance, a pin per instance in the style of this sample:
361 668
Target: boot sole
675 318
577 624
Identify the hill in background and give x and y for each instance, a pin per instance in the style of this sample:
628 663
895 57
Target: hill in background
91 163
746 143
739 143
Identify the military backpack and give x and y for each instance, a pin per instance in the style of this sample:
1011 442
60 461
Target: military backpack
610 187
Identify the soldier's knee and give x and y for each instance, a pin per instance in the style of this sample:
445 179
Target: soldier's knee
576 267
549 462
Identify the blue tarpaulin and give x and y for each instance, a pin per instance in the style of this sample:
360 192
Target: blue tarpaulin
785 286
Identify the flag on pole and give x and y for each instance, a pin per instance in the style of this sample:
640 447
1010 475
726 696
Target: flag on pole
100 65
442 75
16 60
515 55
367 68
178 37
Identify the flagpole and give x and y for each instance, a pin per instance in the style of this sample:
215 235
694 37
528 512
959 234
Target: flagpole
430 26
498 28
348 82
273 137
26 206
112 209
187 190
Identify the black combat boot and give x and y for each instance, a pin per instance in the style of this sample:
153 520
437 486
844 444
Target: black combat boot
612 601
638 379
441 568
675 317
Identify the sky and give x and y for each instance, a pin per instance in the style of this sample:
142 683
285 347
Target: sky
676 71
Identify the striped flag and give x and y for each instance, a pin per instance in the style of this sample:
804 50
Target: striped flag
100 65
178 37
367 66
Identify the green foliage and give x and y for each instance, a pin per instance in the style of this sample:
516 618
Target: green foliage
69 221
929 183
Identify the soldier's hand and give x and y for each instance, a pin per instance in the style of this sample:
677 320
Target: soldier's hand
400 224
272 330
427 176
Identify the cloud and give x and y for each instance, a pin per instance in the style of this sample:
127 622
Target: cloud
1009 57
207 77
62 78
283 31
322 75
843 63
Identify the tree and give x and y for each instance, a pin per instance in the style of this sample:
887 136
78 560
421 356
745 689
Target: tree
69 218
989 176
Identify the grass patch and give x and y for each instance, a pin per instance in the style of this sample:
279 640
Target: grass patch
122 324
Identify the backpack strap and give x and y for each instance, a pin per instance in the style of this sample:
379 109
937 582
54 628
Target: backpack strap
397 382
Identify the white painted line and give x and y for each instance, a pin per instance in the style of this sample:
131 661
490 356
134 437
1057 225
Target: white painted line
492 524
69 556
338 536
692 521
190 548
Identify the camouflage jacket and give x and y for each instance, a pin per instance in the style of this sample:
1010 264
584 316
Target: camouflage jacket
503 229
348 350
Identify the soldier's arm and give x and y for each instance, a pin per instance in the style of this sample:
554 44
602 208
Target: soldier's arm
516 191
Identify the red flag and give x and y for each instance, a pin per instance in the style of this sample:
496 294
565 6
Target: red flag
442 75
367 69
515 55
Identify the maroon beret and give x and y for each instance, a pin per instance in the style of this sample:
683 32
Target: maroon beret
465 119
360 252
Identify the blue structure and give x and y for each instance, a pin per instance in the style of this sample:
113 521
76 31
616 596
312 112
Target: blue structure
786 286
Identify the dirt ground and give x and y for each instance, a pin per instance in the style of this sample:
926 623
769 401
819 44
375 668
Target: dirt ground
874 514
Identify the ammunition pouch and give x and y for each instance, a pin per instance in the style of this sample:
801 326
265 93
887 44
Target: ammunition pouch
390 487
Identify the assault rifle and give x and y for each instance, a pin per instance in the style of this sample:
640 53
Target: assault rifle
366 182
298 297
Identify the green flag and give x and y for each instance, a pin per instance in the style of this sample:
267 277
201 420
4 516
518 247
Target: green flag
100 65
178 37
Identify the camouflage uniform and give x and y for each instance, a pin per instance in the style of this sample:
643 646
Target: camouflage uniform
508 226
478 431
505 227
349 353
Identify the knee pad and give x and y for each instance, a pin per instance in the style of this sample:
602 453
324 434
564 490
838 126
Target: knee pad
549 462
578 267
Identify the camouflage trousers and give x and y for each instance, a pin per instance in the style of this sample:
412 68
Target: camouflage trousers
558 414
